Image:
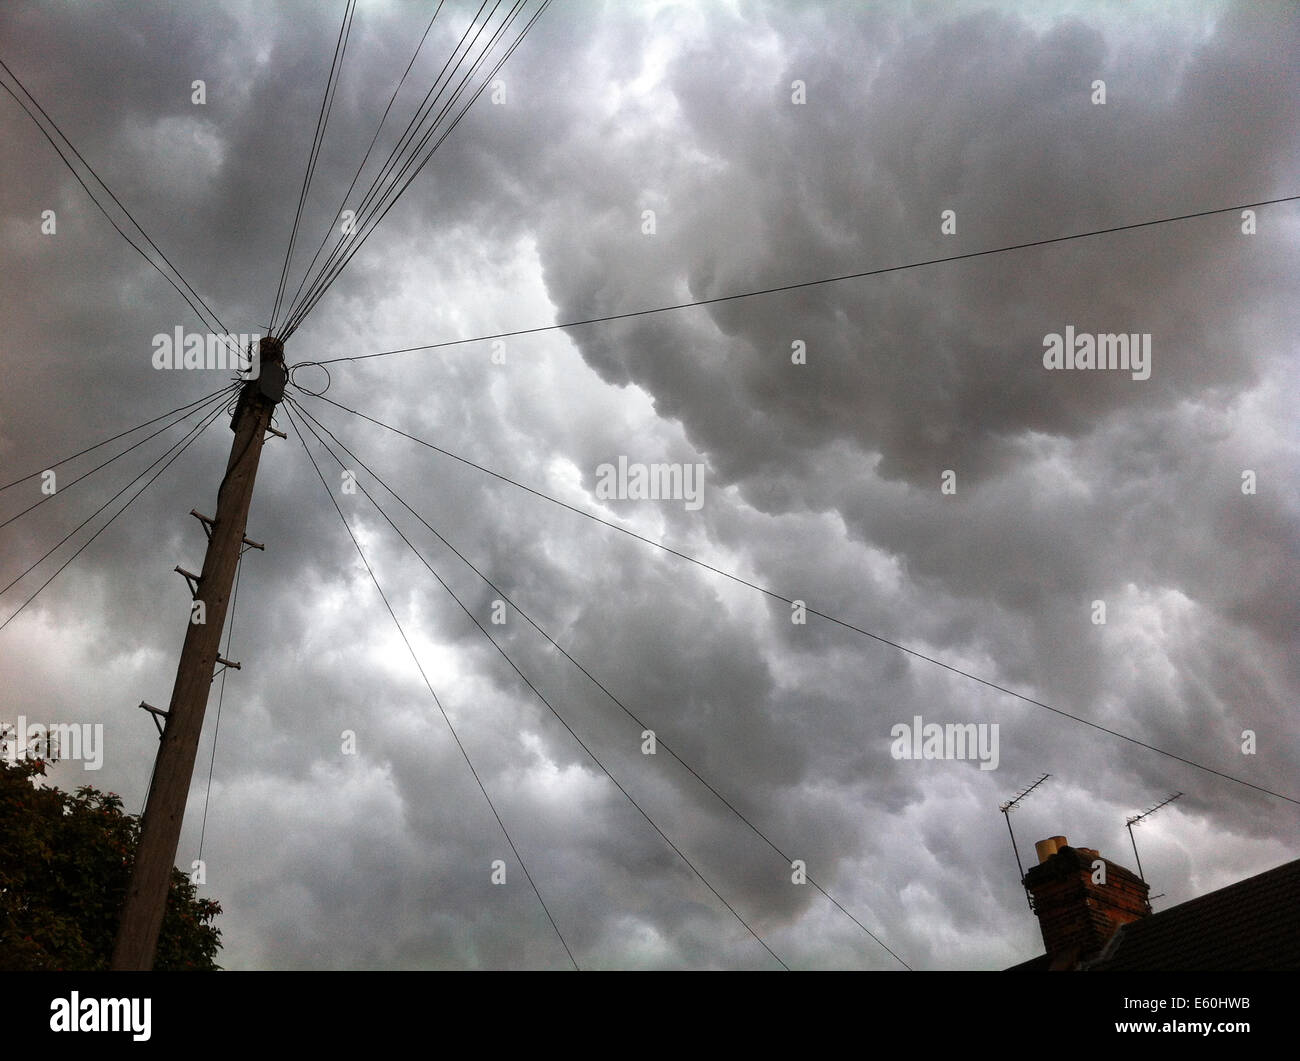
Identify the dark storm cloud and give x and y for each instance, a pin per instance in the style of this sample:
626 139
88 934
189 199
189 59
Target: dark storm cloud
822 480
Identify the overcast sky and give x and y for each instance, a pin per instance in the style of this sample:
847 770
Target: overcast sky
821 481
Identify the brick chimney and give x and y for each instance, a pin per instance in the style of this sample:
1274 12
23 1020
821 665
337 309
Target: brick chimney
1076 915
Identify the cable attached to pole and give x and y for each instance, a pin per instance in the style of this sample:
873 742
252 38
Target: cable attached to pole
446 718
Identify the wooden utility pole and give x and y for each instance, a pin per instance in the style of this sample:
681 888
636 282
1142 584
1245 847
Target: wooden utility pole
146 897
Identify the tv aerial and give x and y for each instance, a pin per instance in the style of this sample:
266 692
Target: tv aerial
1137 820
1006 809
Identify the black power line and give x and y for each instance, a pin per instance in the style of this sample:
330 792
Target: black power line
446 718
326 105
62 490
596 681
813 283
365 158
78 527
364 210
821 615
356 245
121 434
538 693
189 297
411 130
221 698
178 449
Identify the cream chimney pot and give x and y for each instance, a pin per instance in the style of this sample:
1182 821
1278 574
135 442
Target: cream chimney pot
1047 848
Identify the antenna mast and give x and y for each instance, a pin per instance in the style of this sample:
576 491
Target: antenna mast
1137 820
1006 809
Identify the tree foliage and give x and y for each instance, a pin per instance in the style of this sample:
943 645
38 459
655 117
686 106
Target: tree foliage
65 862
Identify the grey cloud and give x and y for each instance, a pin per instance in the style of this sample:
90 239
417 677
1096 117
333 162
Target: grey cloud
822 480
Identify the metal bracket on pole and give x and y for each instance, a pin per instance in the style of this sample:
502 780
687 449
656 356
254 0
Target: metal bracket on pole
208 523
278 434
225 663
157 714
192 579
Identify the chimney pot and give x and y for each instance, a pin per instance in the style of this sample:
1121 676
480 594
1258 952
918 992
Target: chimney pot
1047 848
